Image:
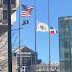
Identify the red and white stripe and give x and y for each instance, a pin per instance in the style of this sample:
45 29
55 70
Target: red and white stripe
25 14
30 8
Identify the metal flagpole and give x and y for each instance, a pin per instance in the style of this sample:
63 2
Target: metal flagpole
35 30
9 38
49 39
19 41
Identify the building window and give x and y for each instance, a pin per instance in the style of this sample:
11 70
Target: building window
4 1
41 68
4 14
13 1
18 61
38 68
22 67
45 68
0 14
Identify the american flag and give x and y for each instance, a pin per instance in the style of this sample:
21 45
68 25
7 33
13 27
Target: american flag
26 11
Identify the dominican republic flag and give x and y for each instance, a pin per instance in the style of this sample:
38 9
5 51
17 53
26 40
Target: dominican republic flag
52 30
26 10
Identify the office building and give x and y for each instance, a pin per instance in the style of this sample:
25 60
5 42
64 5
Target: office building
27 58
4 28
65 43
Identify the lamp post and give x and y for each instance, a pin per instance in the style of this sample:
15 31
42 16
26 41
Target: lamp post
9 38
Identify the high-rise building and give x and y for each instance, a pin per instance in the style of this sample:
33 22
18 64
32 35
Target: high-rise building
3 30
65 43
27 58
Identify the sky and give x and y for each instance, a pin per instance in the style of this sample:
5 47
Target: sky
57 8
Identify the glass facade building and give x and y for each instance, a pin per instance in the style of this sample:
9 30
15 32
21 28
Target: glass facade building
65 43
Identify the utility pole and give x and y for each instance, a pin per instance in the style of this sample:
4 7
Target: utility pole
9 38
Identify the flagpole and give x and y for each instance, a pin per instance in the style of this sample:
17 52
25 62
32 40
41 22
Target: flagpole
19 41
49 39
35 30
